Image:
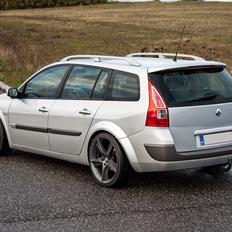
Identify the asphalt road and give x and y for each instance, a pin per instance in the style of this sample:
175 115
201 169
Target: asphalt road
43 194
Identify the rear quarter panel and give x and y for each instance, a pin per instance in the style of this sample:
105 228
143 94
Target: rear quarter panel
129 116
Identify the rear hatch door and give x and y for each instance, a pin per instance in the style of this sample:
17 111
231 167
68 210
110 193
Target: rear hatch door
199 101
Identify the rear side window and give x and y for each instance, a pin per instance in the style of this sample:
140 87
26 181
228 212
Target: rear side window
124 87
193 86
80 83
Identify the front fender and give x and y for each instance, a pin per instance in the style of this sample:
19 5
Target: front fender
5 103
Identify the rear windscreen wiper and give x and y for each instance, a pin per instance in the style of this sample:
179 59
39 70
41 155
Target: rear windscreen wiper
207 96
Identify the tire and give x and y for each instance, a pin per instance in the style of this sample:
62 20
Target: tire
108 163
4 145
218 168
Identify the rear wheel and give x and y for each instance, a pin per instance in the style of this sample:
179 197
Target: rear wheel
218 168
107 160
4 145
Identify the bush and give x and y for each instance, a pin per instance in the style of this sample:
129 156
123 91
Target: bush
22 4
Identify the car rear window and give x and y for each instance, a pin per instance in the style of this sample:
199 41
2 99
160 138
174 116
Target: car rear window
193 86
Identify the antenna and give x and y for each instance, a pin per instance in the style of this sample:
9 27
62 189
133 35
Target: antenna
178 48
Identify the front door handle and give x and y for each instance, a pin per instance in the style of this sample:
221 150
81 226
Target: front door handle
43 109
85 111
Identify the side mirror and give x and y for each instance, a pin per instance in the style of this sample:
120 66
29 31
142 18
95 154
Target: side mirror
13 92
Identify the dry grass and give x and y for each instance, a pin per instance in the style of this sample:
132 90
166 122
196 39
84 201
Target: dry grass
30 39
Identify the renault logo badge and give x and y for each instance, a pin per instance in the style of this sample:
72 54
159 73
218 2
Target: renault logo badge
218 112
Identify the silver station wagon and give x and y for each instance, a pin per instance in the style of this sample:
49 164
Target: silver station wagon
146 111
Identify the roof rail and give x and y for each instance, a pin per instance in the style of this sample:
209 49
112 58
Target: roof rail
165 56
100 58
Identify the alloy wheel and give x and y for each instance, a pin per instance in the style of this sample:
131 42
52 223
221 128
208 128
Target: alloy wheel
103 159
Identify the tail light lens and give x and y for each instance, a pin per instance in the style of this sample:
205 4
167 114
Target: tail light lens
157 114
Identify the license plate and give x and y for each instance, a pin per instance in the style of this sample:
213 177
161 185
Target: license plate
214 139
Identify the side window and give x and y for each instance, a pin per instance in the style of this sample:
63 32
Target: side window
80 83
124 87
100 87
45 84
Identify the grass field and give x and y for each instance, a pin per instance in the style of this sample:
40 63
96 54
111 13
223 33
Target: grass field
30 39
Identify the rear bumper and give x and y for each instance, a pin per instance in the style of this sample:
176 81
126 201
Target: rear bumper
156 166
153 150
168 153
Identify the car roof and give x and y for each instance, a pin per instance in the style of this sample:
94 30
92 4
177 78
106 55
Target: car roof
152 62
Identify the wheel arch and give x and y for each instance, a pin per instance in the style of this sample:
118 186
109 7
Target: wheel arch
118 134
4 123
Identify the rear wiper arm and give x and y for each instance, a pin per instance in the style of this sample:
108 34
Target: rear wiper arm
207 96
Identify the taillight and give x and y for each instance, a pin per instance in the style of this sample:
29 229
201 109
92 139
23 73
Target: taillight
157 114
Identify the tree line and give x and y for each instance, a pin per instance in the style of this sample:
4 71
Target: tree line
23 4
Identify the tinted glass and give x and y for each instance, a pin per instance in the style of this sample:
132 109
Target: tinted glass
45 84
193 86
100 88
124 87
80 83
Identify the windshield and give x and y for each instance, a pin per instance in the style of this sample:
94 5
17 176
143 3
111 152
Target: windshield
193 86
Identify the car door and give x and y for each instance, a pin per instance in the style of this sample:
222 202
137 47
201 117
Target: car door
71 115
28 114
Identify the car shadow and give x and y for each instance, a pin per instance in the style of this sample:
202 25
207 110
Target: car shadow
190 178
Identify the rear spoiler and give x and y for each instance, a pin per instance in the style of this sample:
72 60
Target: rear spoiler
193 67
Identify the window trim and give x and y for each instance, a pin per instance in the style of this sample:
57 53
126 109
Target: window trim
59 91
107 84
110 87
23 87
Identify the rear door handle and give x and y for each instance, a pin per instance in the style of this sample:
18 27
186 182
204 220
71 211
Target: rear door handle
85 111
43 109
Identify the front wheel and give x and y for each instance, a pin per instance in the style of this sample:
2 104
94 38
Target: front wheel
107 160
